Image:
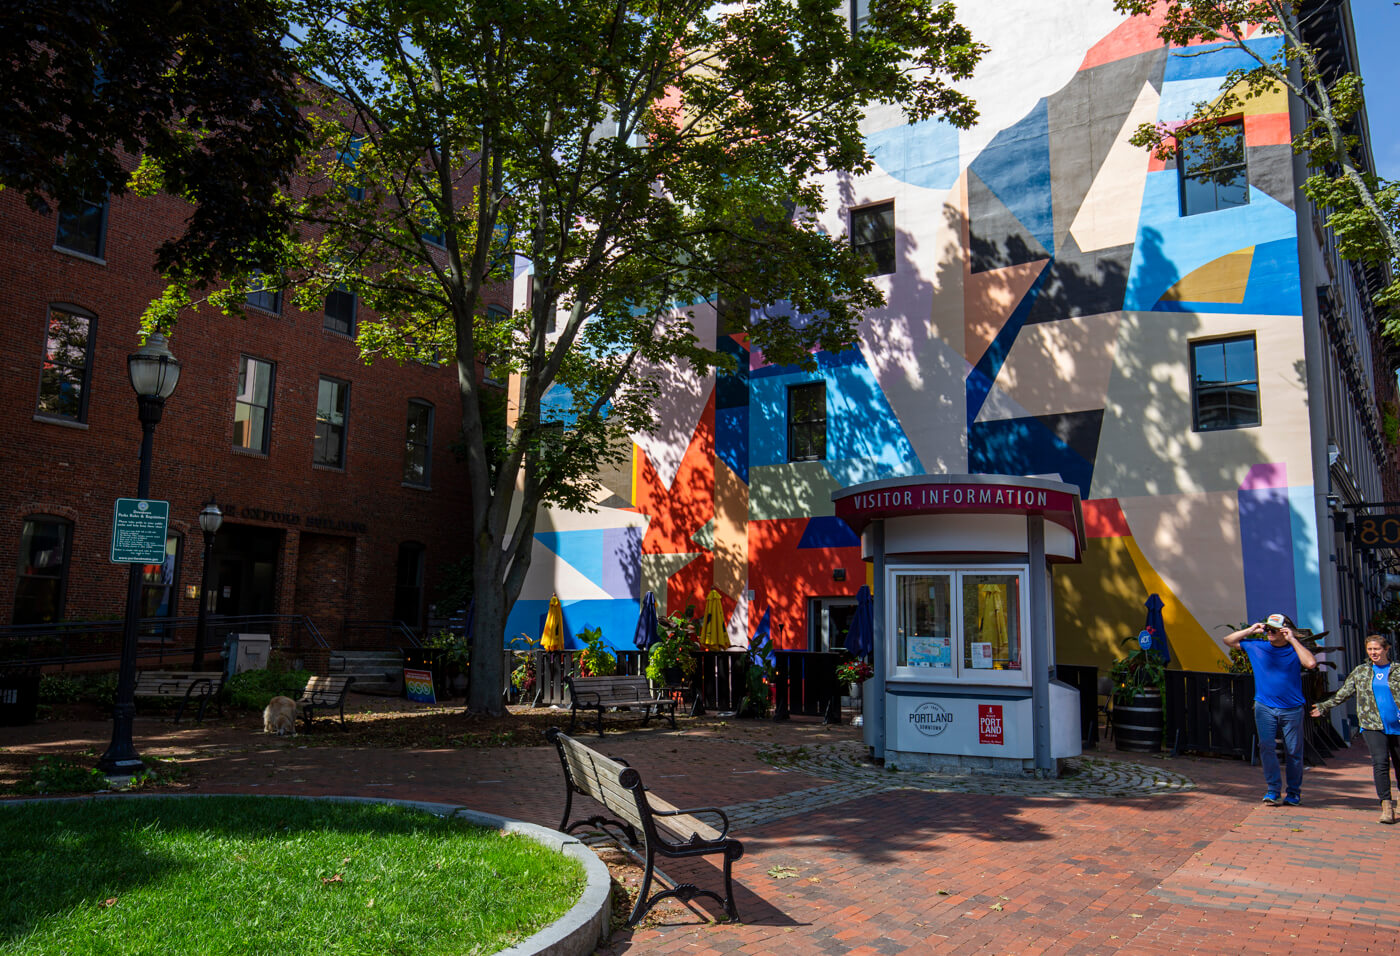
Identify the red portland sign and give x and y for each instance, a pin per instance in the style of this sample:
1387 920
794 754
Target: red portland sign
941 494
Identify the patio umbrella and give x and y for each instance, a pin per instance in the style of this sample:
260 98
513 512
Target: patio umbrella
712 635
646 623
1156 628
552 639
860 638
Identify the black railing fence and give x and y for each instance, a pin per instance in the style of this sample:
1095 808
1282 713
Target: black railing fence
1212 713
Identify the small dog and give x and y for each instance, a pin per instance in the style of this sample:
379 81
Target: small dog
280 717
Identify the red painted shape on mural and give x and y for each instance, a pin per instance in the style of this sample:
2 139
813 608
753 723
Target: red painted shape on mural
1103 518
783 576
1131 37
1267 129
680 511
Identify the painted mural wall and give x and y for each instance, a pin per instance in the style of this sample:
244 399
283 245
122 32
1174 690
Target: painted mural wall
1038 322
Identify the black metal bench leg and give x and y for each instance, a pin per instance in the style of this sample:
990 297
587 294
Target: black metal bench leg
641 906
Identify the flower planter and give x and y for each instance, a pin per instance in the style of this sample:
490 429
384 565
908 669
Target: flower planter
1137 725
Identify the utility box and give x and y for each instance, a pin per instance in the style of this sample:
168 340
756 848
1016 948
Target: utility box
247 652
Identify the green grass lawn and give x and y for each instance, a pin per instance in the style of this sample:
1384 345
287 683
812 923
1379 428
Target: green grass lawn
267 876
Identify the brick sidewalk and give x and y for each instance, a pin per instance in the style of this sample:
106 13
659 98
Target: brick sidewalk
914 863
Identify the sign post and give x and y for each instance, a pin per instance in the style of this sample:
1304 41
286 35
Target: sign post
138 531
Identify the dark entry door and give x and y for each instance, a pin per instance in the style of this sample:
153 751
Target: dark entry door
246 558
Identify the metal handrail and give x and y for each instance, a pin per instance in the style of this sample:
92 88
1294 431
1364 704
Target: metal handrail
401 628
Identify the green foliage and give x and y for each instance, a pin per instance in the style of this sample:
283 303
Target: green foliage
1363 210
1390 423
67 687
251 690
56 775
1140 670
596 660
758 676
652 158
113 80
675 650
456 647
1386 619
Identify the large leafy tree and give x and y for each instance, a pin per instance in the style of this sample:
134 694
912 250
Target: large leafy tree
201 93
1363 208
637 157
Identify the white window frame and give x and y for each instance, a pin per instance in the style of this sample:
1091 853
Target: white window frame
959 673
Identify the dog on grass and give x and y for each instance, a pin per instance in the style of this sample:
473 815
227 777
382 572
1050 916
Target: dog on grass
280 717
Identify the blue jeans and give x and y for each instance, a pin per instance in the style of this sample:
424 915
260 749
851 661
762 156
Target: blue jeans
1288 723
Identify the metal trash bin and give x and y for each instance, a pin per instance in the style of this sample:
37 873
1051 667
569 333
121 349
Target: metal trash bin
246 652
19 694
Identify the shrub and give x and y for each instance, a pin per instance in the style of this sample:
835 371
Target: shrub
251 690
60 689
595 661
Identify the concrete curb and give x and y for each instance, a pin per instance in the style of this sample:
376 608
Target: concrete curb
577 933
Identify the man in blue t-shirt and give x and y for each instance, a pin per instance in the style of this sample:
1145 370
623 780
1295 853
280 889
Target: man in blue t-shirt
1278 699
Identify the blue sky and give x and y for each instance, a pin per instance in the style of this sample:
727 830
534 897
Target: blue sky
1378 43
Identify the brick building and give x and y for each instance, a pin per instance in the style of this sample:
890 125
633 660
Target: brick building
336 478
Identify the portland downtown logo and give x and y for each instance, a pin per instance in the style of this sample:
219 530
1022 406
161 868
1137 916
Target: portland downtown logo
931 719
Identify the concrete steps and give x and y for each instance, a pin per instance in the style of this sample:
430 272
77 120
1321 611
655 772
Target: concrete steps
375 672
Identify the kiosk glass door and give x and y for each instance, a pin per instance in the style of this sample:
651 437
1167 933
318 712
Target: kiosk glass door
958 624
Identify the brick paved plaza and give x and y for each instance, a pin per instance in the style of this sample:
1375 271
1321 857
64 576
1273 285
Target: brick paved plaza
1131 854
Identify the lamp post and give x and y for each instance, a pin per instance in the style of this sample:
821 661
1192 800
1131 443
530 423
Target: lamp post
210 519
153 372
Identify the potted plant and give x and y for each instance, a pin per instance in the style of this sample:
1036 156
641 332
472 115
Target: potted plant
1138 679
596 660
854 672
671 660
758 678
523 675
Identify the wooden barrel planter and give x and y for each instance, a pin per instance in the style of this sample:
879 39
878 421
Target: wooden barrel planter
1137 725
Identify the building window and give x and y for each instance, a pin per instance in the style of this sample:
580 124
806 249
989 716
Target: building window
408 585
340 310
1211 166
43 570
872 234
954 623
418 447
332 401
349 157
860 15
252 407
807 422
160 585
82 228
1224 384
261 296
63 382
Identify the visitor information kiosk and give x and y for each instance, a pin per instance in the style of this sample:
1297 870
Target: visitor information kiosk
964 642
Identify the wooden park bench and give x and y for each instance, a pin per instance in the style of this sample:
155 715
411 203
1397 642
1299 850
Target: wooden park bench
185 685
662 827
601 693
324 693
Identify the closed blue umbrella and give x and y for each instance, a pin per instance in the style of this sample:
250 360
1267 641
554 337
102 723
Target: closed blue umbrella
860 639
1156 629
646 623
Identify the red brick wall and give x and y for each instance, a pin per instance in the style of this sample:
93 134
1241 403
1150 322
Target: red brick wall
79 471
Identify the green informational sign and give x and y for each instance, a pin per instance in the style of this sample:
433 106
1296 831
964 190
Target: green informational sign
138 531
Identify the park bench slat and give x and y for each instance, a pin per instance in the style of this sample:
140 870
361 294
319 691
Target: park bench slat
187 685
646 818
603 693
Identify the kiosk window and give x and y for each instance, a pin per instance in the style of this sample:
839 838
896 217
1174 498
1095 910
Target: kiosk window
991 606
924 629
952 624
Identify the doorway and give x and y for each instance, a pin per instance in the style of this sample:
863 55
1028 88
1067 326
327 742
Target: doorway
828 621
246 559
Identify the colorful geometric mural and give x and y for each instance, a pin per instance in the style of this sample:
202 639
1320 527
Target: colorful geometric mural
1039 322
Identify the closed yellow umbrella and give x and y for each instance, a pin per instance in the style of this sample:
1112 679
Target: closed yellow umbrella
553 637
712 634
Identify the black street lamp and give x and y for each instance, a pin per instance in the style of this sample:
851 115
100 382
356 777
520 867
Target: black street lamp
210 519
153 372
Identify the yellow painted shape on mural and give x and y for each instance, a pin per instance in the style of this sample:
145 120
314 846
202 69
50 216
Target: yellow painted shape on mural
1273 101
1193 649
1220 280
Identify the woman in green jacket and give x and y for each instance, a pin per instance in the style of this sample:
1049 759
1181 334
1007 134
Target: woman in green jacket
1377 689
